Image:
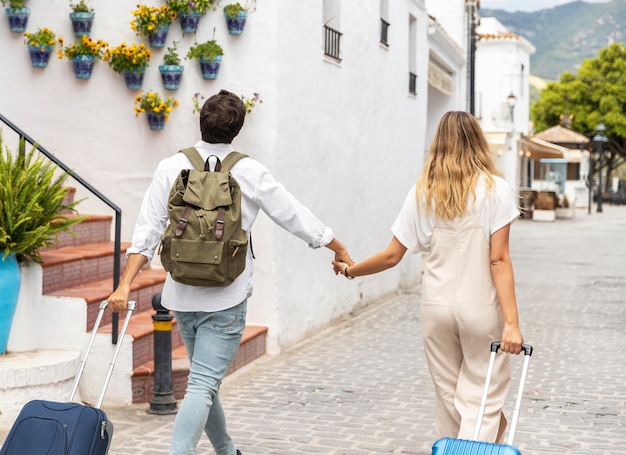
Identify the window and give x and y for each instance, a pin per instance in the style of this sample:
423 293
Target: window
412 55
384 22
332 35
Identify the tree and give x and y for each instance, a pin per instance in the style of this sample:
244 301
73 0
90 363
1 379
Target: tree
597 94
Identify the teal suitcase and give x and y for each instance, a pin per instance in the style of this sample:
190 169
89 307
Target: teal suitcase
453 446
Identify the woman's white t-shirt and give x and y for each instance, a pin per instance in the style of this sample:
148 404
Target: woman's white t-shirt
414 228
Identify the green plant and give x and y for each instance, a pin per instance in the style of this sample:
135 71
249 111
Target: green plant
84 46
153 102
205 51
33 209
233 9
42 38
81 7
171 57
147 19
197 100
15 4
251 102
124 58
189 6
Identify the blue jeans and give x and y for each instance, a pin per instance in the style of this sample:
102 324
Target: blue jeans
212 340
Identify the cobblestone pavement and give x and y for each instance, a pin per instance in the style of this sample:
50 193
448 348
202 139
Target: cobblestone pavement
362 386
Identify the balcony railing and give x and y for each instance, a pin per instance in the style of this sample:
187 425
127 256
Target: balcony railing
332 43
384 29
413 84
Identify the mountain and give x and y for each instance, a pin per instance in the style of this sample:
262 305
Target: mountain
566 35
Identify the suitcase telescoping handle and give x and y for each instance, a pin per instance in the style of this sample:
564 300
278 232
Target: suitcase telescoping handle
83 363
495 346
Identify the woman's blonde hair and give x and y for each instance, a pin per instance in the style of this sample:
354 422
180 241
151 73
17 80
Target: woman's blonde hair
458 155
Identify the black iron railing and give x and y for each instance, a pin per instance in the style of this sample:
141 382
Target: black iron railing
384 32
99 195
332 43
412 83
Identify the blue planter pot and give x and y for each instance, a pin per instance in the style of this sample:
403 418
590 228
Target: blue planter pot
159 37
171 76
236 24
10 282
18 18
210 68
134 79
82 22
189 21
156 121
39 55
83 66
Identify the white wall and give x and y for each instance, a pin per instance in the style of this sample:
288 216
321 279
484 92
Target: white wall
346 138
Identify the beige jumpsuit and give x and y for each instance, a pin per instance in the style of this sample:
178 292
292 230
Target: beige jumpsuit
460 317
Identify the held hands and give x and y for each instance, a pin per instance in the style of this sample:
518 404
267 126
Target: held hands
339 266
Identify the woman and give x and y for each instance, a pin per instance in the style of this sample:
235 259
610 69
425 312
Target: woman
460 211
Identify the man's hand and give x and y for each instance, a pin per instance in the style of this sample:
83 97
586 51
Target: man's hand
118 301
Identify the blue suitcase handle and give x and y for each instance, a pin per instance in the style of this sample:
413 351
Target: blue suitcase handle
528 349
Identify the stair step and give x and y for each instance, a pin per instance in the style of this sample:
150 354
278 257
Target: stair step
69 267
141 328
93 229
148 283
252 346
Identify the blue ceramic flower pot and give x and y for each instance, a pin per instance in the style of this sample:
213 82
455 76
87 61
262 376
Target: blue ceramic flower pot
189 21
39 55
156 121
159 36
210 68
81 23
171 76
134 79
18 18
83 66
10 282
236 24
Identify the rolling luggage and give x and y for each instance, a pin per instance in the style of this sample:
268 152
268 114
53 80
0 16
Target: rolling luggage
57 428
453 446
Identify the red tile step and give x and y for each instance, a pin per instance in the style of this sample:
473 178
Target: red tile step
252 347
93 229
68 267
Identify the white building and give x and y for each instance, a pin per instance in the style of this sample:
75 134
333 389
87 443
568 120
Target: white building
502 93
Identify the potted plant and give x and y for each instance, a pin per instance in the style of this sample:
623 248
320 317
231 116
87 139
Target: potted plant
189 12
130 61
209 55
156 107
33 212
236 16
17 14
171 70
40 46
82 18
83 54
153 23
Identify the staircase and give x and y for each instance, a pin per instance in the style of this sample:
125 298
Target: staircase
82 267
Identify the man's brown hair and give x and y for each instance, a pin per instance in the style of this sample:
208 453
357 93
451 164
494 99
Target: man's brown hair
221 118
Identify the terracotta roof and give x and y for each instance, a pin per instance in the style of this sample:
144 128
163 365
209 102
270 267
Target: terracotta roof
559 134
498 36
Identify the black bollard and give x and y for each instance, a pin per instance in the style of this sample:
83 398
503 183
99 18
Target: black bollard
163 401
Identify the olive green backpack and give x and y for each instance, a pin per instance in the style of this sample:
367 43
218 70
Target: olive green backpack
204 243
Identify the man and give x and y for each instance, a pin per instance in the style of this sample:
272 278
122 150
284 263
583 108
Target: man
212 319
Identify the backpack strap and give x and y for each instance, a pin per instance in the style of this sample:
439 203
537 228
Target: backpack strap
195 157
229 161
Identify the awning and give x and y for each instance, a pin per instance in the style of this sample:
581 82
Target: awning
535 148
497 141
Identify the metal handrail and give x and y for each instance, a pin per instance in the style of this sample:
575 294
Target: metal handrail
118 211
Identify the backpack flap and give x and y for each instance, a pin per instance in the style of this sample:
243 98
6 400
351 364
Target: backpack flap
195 194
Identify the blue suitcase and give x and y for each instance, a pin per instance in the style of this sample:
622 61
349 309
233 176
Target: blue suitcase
55 428
453 446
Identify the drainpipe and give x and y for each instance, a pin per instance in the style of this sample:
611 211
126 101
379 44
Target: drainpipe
471 55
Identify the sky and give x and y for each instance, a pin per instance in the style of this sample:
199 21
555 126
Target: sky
527 5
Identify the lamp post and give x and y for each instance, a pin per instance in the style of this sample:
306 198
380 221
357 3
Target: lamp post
511 100
600 139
